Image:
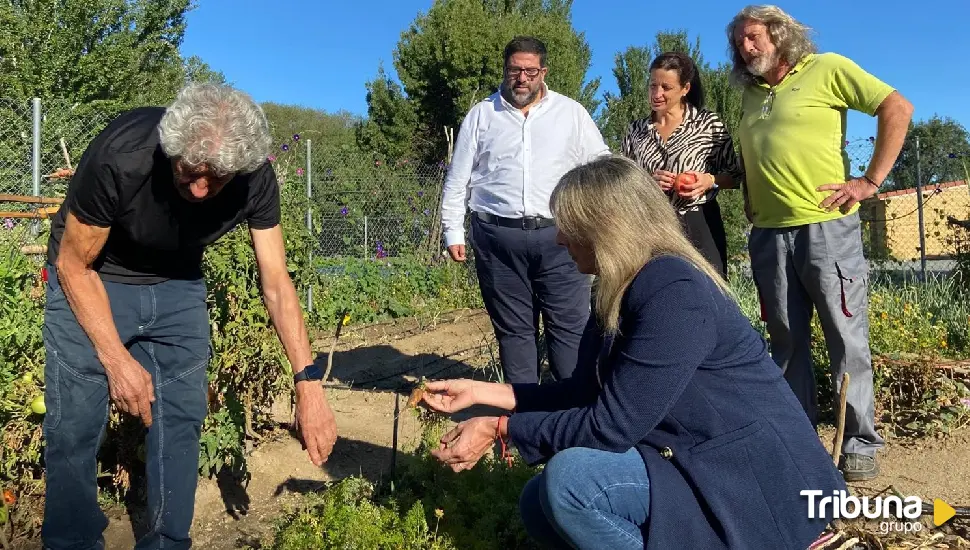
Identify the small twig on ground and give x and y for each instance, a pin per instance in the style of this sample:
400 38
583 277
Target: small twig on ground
840 430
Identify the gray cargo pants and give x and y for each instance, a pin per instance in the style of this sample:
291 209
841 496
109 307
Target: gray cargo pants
820 266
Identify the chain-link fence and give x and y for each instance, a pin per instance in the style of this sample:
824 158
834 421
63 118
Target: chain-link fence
913 223
40 142
362 206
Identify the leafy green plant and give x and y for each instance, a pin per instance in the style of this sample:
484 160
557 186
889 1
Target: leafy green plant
346 516
476 509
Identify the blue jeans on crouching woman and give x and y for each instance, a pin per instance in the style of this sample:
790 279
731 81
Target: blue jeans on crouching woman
165 326
586 498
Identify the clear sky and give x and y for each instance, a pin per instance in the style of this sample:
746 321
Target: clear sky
319 53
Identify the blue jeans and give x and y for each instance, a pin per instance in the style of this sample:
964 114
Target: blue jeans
165 326
585 498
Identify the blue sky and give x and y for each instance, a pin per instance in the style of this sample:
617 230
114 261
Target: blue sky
319 53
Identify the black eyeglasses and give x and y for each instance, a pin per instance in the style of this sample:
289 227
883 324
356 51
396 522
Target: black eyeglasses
514 72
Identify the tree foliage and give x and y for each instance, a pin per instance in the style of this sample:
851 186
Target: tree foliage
942 143
391 121
451 57
109 53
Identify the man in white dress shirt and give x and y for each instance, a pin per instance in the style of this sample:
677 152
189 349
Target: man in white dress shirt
511 150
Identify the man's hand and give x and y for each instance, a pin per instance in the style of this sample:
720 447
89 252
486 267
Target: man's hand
131 390
467 443
847 194
129 384
665 179
457 252
315 421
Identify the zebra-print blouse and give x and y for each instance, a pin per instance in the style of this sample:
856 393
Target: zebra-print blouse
701 143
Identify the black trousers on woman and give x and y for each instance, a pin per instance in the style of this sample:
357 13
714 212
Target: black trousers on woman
705 229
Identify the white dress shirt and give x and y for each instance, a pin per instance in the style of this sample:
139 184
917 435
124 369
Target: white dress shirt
507 164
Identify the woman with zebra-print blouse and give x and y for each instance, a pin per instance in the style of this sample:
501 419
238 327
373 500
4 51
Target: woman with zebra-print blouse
682 138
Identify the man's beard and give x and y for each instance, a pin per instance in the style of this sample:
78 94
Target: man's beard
508 92
764 63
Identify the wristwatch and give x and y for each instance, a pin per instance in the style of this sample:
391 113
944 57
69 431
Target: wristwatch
310 372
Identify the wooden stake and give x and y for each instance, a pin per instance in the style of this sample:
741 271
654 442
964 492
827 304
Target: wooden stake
333 345
67 158
840 428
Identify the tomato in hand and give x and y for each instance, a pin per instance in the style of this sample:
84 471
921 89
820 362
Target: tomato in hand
683 179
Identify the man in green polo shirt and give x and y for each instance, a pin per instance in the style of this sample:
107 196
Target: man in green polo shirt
805 243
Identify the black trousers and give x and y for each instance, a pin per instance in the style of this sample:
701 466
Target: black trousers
705 229
522 274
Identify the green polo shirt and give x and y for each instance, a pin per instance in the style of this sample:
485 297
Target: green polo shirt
794 141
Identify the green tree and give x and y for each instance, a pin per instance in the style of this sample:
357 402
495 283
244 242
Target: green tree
391 127
451 57
632 72
942 143
115 53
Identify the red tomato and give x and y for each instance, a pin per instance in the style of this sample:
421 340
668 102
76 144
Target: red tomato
684 179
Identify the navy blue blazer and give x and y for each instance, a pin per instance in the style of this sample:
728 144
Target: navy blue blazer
689 383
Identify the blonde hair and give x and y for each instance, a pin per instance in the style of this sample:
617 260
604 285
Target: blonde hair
790 37
615 209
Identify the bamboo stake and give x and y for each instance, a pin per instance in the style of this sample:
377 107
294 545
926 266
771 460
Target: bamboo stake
67 158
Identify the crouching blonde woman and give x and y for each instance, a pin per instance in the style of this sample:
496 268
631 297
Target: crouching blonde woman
677 429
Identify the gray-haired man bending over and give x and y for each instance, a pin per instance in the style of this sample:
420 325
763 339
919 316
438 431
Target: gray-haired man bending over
126 318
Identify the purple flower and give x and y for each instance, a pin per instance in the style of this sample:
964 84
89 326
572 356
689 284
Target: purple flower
296 137
285 147
966 402
420 194
344 211
329 172
299 171
8 223
271 158
427 212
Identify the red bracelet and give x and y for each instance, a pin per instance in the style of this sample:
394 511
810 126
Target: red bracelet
506 455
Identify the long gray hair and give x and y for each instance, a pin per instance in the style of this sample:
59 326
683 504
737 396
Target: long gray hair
216 126
790 37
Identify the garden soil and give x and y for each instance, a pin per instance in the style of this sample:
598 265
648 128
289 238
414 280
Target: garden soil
374 369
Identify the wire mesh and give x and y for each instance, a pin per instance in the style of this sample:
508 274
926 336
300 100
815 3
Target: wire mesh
902 228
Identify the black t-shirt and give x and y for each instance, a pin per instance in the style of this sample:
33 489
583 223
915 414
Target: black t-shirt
125 182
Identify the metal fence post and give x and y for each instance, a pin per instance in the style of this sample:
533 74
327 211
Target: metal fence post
35 158
919 208
309 218
365 236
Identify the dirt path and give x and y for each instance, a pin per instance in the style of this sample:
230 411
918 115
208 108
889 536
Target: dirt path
382 363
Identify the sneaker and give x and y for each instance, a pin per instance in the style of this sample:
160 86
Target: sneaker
857 467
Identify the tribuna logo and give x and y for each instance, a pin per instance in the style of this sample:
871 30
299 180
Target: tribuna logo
839 505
